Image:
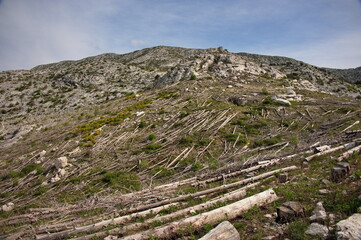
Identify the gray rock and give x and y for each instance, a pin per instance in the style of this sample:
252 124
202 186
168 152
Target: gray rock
8 207
316 229
55 179
318 214
282 101
61 162
42 154
349 228
325 181
324 191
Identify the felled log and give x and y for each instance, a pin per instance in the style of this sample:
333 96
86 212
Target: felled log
331 150
212 190
100 225
229 212
232 196
225 230
349 153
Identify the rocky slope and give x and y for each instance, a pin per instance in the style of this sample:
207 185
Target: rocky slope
95 139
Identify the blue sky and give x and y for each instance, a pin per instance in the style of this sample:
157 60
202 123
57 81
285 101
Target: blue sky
325 33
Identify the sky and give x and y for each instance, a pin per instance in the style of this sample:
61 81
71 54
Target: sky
325 33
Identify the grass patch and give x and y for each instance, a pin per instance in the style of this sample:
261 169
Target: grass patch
123 181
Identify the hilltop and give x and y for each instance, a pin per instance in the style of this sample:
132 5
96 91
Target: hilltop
99 138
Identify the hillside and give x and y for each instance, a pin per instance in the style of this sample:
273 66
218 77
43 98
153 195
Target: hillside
92 140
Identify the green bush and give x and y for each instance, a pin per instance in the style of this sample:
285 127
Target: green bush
152 137
123 181
150 148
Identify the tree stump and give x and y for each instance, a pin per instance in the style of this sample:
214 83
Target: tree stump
340 172
289 211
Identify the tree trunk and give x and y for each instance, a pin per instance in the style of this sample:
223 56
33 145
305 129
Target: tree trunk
230 211
212 190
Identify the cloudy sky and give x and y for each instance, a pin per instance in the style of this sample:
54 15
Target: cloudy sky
325 33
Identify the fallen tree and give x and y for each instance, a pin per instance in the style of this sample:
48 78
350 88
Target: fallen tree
229 212
212 190
232 196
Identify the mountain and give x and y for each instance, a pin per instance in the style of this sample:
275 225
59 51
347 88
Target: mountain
110 136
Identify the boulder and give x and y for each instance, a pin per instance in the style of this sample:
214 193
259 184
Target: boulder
282 101
318 214
61 172
289 211
55 179
349 228
61 162
224 230
316 229
8 207
42 154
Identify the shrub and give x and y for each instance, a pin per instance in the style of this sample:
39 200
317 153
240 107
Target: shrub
142 124
193 77
186 140
122 181
150 148
152 137
31 167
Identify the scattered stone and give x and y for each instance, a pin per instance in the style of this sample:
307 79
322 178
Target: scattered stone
110 237
282 101
332 218
283 178
349 228
230 86
344 192
42 154
61 162
139 113
236 100
359 197
224 230
270 238
269 216
44 183
325 181
318 214
289 211
55 179
291 92
316 229
324 191
8 207
340 172
61 172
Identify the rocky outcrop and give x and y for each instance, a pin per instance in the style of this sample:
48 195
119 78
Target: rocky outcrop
349 228
61 162
8 207
318 214
316 229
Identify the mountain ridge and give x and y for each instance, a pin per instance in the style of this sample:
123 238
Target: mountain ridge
86 146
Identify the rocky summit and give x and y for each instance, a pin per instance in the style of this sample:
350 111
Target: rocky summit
169 143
